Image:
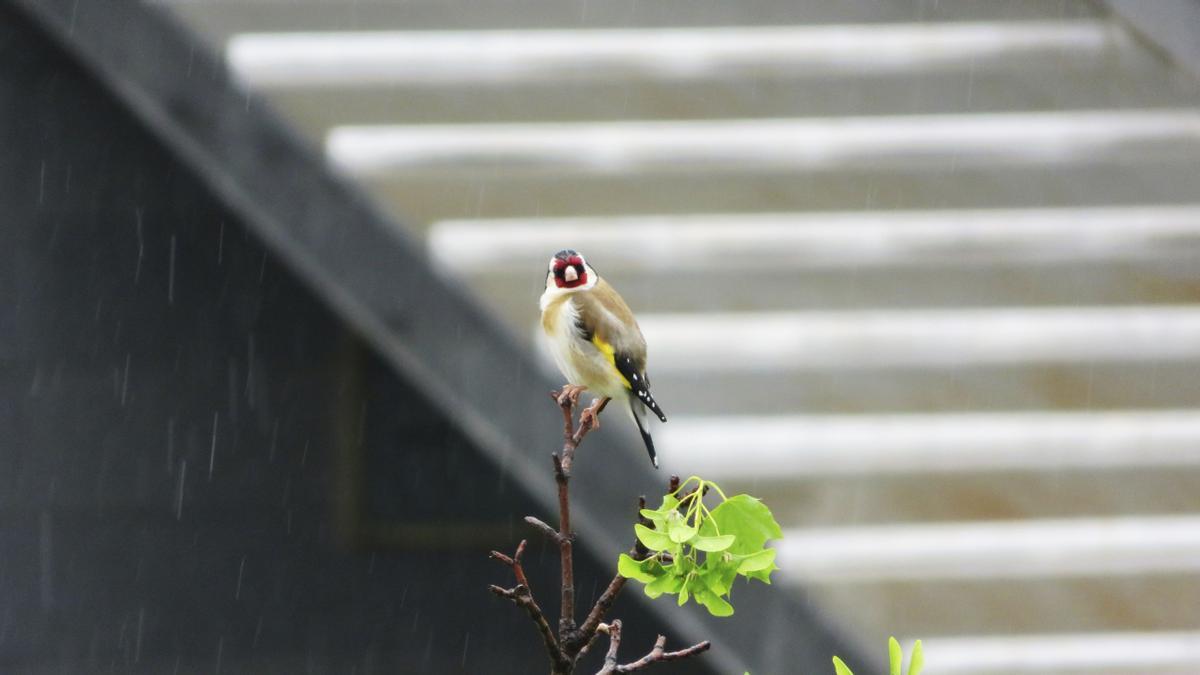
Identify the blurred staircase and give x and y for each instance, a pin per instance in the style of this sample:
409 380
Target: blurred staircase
924 274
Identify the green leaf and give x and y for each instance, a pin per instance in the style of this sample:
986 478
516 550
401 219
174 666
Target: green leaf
713 544
667 583
683 595
763 575
749 520
895 657
840 667
669 503
634 569
916 662
723 574
714 603
652 539
679 531
756 562
653 515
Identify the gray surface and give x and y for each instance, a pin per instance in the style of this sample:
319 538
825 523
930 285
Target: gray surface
1170 24
220 17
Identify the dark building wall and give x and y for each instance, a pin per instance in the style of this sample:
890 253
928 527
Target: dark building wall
201 469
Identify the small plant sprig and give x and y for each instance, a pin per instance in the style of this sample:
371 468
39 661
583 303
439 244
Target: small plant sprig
697 552
916 661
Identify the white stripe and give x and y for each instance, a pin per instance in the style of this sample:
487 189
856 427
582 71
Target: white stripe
837 239
802 447
505 56
817 143
839 340
1020 549
1142 653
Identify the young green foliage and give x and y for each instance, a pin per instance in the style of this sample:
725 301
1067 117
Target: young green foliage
696 552
916 662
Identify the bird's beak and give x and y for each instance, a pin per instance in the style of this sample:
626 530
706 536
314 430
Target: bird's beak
570 274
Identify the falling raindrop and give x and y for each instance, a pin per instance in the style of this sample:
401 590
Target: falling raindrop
141 242
137 643
179 489
237 592
212 450
125 380
171 275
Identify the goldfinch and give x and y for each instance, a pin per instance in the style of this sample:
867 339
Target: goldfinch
596 341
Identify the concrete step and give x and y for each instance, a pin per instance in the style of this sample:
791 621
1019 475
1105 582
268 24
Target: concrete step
776 342
808 447
1172 279
1115 653
220 18
497 57
420 198
951 258
316 110
763 145
1167 602
668 245
1079 386
1037 549
926 495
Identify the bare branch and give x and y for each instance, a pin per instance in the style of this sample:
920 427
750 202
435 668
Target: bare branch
590 627
515 563
566 619
521 596
570 643
613 630
658 654
545 529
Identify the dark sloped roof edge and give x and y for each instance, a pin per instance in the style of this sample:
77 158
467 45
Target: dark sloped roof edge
1170 25
380 282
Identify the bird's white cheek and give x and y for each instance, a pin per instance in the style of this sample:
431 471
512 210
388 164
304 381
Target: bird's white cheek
571 274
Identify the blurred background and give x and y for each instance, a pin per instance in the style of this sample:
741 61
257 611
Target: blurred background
923 275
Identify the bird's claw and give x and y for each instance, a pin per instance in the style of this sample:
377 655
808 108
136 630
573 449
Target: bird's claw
589 417
570 394
591 414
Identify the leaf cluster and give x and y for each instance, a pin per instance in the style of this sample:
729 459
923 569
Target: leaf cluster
696 552
916 661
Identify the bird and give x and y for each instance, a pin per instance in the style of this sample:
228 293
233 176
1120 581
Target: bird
596 341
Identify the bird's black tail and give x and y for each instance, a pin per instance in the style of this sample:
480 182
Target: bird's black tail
641 425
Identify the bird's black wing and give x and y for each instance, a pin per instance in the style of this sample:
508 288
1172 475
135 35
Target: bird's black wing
638 383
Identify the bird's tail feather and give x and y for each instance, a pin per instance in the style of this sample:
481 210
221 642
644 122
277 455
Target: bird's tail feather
641 425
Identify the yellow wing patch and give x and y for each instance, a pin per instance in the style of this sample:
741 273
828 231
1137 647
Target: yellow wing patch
611 354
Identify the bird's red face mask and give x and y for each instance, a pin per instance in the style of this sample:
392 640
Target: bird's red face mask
569 270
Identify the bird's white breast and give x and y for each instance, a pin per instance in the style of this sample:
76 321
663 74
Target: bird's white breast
579 361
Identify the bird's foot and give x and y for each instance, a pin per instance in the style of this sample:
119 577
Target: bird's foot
591 414
569 394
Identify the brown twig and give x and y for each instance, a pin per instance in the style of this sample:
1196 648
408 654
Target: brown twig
658 654
572 642
514 562
522 596
614 643
545 529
